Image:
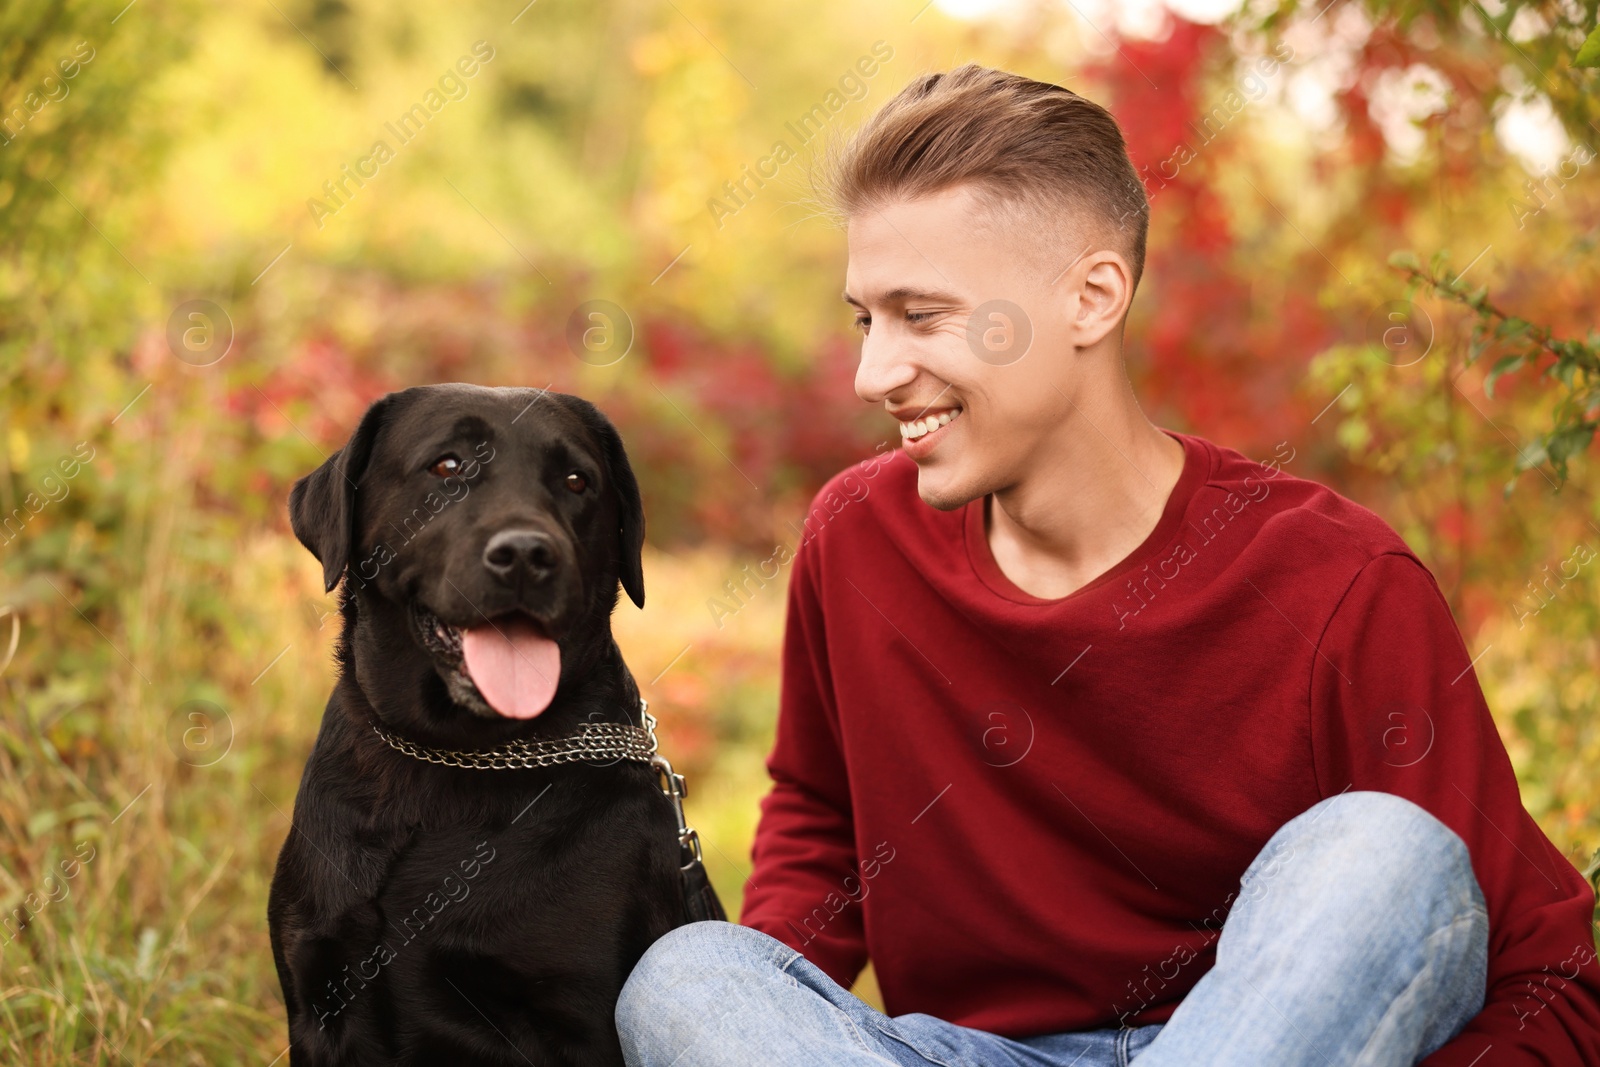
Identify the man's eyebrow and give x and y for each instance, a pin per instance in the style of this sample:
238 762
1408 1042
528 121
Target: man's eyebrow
906 292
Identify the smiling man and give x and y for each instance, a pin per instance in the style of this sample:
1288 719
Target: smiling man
1103 741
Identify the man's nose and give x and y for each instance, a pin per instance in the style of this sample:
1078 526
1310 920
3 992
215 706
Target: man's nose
884 368
514 556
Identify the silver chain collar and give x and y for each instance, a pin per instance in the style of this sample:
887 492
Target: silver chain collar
593 742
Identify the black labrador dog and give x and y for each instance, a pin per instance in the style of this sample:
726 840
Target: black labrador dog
429 912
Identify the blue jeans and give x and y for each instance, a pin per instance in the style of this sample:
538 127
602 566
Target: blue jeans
1359 937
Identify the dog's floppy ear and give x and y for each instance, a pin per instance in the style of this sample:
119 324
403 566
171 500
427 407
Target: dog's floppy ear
322 505
630 508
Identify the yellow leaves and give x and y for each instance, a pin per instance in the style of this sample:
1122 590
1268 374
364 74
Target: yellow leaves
1355 435
17 447
652 53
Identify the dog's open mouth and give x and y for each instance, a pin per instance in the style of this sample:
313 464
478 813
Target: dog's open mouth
507 666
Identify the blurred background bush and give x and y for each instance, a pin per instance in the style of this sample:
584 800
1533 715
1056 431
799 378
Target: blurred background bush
1362 213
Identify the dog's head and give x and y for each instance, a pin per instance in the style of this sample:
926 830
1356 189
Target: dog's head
482 533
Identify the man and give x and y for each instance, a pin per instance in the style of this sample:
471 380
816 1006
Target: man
1127 747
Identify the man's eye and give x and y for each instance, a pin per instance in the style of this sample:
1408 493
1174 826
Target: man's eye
444 466
863 323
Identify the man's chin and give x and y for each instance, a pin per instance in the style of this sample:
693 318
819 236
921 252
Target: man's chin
943 490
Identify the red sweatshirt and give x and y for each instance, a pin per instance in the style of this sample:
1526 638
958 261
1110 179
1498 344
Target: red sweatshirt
1033 814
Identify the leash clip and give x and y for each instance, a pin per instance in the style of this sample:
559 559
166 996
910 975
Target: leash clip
676 788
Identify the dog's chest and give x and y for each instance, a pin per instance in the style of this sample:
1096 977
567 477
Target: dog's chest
561 887
495 890
519 919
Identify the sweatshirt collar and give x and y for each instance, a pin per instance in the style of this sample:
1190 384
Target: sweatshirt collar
1197 463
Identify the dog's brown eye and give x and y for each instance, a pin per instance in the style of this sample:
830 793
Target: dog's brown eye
445 466
577 482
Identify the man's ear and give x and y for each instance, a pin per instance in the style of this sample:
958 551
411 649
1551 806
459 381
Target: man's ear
630 508
322 505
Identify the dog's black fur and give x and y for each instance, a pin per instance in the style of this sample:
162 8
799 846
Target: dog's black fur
424 914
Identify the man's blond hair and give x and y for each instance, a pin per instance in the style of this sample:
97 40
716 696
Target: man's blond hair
1034 152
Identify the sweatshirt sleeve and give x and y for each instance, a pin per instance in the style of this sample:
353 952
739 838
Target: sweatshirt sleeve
805 848
1396 707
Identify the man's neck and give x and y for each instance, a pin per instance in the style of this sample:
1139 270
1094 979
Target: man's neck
1088 500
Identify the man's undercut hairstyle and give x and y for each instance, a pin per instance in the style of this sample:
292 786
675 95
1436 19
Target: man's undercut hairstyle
1034 152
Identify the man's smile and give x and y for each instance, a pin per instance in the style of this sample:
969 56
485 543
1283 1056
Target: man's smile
922 428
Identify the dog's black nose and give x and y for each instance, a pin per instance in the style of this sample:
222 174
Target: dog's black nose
527 553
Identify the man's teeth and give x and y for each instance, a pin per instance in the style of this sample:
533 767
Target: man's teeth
910 431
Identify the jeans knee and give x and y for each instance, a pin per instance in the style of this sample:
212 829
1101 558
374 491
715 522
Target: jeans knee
690 969
1374 847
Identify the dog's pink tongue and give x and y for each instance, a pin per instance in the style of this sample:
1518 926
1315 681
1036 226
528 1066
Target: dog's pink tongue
514 666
